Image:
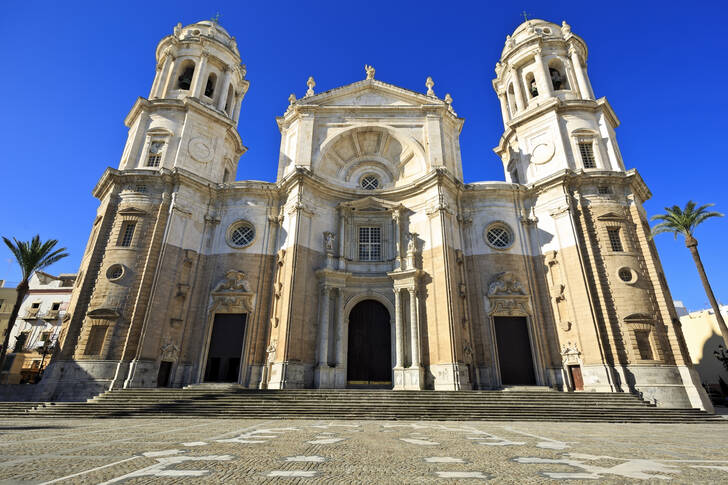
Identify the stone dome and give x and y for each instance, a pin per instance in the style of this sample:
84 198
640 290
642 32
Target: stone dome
531 28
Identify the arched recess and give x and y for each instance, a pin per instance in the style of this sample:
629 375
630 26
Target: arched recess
345 155
369 358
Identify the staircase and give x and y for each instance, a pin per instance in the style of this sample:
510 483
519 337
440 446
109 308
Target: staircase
236 402
17 408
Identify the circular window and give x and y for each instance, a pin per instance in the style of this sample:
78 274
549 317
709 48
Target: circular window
370 182
115 272
627 275
499 236
241 234
546 30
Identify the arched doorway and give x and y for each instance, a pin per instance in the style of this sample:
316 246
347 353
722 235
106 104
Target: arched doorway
369 360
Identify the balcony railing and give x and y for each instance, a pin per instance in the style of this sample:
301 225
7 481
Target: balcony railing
31 313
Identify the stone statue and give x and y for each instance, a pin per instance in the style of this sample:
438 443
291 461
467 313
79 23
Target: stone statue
370 71
310 83
505 284
565 28
177 29
510 42
411 242
329 239
291 99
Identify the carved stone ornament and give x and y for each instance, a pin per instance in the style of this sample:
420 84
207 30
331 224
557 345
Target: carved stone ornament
232 294
411 242
507 296
329 240
570 354
311 84
200 149
169 351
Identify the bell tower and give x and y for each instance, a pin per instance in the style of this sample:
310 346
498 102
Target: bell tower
551 118
189 122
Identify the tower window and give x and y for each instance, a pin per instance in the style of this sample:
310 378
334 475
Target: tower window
155 154
127 233
229 101
511 97
615 241
531 83
643 344
210 86
370 244
586 150
556 72
184 81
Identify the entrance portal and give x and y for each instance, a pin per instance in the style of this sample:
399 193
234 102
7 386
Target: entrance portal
226 347
369 362
514 351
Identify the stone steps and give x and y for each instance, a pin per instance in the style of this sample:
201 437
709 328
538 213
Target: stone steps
236 402
17 408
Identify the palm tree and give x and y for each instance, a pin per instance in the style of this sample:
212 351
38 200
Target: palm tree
685 221
32 256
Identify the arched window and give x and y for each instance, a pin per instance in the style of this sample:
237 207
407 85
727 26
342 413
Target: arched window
210 86
531 85
511 99
186 70
230 101
558 75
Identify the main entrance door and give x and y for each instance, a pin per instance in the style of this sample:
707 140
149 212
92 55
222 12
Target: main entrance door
514 351
369 362
226 347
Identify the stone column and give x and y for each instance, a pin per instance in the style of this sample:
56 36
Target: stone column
238 104
504 108
397 241
168 80
323 343
580 77
342 232
545 87
340 337
161 79
517 89
223 90
399 331
414 329
199 76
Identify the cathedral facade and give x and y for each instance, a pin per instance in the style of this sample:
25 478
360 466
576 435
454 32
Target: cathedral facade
369 262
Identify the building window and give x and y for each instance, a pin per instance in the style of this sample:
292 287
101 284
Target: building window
531 84
127 233
184 81
370 244
241 234
498 236
155 153
369 182
95 340
643 344
615 241
604 190
45 337
35 305
115 272
586 149
210 86
625 274
56 306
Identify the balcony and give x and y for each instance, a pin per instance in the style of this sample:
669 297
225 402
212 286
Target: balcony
31 314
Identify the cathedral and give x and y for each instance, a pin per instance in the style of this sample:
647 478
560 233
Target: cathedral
369 262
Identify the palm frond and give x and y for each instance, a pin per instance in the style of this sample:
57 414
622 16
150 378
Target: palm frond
35 255
682 220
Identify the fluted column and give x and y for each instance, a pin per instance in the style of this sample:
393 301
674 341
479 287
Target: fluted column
168 79
223 89
398 330
323 343
517 90
238 104
580 77
160 80
414 329
545 88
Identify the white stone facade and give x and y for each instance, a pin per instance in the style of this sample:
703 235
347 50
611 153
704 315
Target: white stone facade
369 243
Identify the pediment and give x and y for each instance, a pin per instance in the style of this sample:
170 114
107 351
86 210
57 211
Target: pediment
610 216
103 313
370 93
371 204
132 211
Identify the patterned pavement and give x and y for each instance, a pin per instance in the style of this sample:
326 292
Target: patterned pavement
171 450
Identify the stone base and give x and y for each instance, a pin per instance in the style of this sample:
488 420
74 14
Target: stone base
659 384
324 377
340 377
286 375
598 378
451 377
695 390
414 378
142 373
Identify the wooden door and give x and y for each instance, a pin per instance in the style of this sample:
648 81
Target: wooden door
165 370
369 360
514 351
576 379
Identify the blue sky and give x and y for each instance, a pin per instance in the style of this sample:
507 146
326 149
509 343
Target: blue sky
71 72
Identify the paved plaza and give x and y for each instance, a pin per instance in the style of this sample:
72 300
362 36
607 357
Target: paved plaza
372 452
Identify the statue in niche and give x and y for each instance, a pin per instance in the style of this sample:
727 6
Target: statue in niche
555 78
329 240
411 242
533 88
